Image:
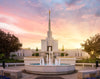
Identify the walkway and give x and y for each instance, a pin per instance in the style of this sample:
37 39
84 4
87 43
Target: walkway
33 76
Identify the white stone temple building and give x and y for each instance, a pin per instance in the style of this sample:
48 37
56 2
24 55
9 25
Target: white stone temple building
49 42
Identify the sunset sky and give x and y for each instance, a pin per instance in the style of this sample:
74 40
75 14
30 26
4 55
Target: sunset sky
72 21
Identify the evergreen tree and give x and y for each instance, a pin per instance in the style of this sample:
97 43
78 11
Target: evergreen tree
36 48
63 48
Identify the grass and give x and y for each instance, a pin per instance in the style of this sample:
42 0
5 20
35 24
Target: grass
12 61
77 61
88 61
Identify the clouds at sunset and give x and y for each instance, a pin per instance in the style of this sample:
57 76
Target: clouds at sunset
72 21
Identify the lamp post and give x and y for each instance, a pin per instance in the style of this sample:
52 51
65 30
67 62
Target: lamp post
97 64
3 64
3 61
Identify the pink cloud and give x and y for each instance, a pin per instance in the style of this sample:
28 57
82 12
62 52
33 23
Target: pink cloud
75 7
28 25
33 30
7 18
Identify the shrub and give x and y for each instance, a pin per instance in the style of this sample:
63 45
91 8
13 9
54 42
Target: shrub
37 54
2 56
62 54
90 60
12 61
66 54
13 55
32 54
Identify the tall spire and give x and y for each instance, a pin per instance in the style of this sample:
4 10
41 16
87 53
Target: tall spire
49 28
49 21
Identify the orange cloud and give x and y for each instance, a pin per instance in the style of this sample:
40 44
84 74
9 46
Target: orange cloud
30 31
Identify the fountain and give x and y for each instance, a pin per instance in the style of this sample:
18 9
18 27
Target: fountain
42 61
56 62
50 57
49 67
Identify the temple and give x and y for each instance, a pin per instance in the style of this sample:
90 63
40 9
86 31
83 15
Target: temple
49 42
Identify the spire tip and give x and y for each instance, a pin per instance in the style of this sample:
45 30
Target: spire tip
49 11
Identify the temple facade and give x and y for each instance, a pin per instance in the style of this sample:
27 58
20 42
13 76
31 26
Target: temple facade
49 42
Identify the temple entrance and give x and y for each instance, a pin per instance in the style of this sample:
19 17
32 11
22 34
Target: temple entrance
49 47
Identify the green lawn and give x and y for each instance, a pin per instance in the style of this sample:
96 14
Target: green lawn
11 61
87 61
78 61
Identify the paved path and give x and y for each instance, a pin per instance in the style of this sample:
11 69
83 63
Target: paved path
33 76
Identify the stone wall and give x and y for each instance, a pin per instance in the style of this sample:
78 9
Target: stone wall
32 60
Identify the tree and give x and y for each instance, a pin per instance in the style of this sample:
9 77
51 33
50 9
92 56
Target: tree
13 55
2 56
92 46
63 48
36 48
8 43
